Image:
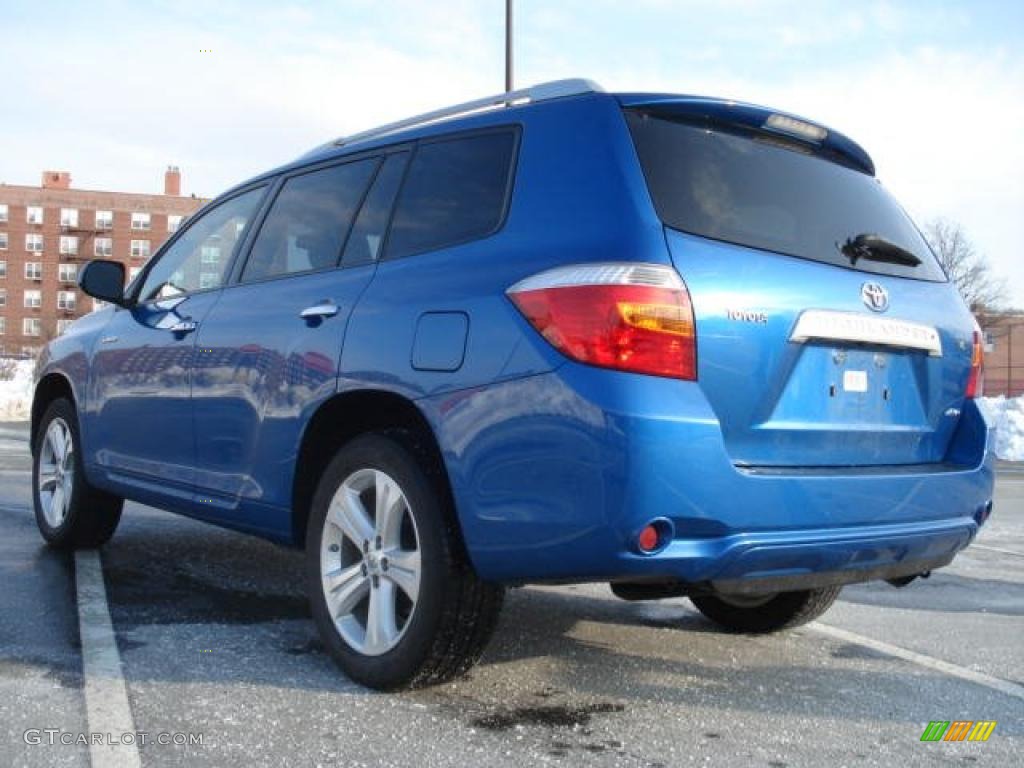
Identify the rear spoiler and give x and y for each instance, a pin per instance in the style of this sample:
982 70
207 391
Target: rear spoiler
754 119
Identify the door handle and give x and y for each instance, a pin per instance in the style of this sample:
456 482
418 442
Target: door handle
182 327
321 310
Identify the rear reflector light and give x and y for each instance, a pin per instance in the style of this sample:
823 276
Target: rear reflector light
976 379
630 317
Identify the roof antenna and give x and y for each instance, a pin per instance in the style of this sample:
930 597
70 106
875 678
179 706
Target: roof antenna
508 46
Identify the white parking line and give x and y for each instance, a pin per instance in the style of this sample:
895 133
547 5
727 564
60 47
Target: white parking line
995 683
997 549
106 698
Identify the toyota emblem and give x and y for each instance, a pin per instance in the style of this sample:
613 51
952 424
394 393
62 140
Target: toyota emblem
875 297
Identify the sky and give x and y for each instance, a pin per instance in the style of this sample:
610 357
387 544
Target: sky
115 91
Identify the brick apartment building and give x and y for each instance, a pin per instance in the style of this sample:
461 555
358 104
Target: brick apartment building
48 232
1004 352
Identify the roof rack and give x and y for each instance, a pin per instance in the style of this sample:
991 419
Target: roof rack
542 92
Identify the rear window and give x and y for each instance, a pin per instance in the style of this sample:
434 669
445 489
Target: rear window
760 192
454 191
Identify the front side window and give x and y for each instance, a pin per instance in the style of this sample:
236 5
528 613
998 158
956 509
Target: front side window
309 221
140 220
454 191
104 219
179 268
69 217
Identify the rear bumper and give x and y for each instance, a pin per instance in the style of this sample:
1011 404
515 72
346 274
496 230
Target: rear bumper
555 475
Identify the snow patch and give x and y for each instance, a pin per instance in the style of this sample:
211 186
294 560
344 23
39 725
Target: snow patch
15 389
1007 417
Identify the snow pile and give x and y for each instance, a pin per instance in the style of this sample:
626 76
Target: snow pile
15 389
1007 416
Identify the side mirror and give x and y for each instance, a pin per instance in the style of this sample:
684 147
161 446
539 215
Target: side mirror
104 280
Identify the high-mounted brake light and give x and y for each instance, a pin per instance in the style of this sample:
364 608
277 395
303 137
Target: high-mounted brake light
631 317
794 127
976 379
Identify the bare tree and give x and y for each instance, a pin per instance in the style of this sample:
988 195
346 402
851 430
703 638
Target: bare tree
969 269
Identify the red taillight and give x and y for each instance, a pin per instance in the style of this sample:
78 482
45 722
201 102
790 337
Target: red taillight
976 379
631 317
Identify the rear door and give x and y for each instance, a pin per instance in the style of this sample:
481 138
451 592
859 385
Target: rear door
812 351
268 353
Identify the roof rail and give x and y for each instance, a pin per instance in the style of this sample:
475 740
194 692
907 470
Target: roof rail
541 92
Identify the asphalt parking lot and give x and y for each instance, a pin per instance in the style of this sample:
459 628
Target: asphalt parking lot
215 639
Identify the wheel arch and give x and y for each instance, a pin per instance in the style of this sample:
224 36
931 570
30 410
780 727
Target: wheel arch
52 386
348 415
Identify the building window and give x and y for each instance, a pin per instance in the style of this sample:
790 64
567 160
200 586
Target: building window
140 249
3 269
66 300
103 246
97 305
31 326
3 241
210 254
104 219
33 270
3 297
68 245
3 326
140 221
173 223
3 213
63 324
33 299
209 280
34 214
69 217
34 242
133 272
67 273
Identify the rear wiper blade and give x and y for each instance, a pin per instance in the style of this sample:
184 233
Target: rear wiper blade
877 248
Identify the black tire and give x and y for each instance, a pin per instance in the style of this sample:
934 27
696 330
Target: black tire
455 612
91 515
782 611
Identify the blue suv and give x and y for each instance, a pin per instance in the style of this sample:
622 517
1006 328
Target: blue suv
682 345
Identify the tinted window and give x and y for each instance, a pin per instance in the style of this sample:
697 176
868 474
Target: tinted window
454 191
309 221
367 236
199 258
750 190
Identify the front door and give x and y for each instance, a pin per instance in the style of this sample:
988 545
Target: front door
140 413
268 354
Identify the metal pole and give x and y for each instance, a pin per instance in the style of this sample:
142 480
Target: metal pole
508 46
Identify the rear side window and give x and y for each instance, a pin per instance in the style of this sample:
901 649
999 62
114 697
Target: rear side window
309 221
454 191
755 191
363 246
